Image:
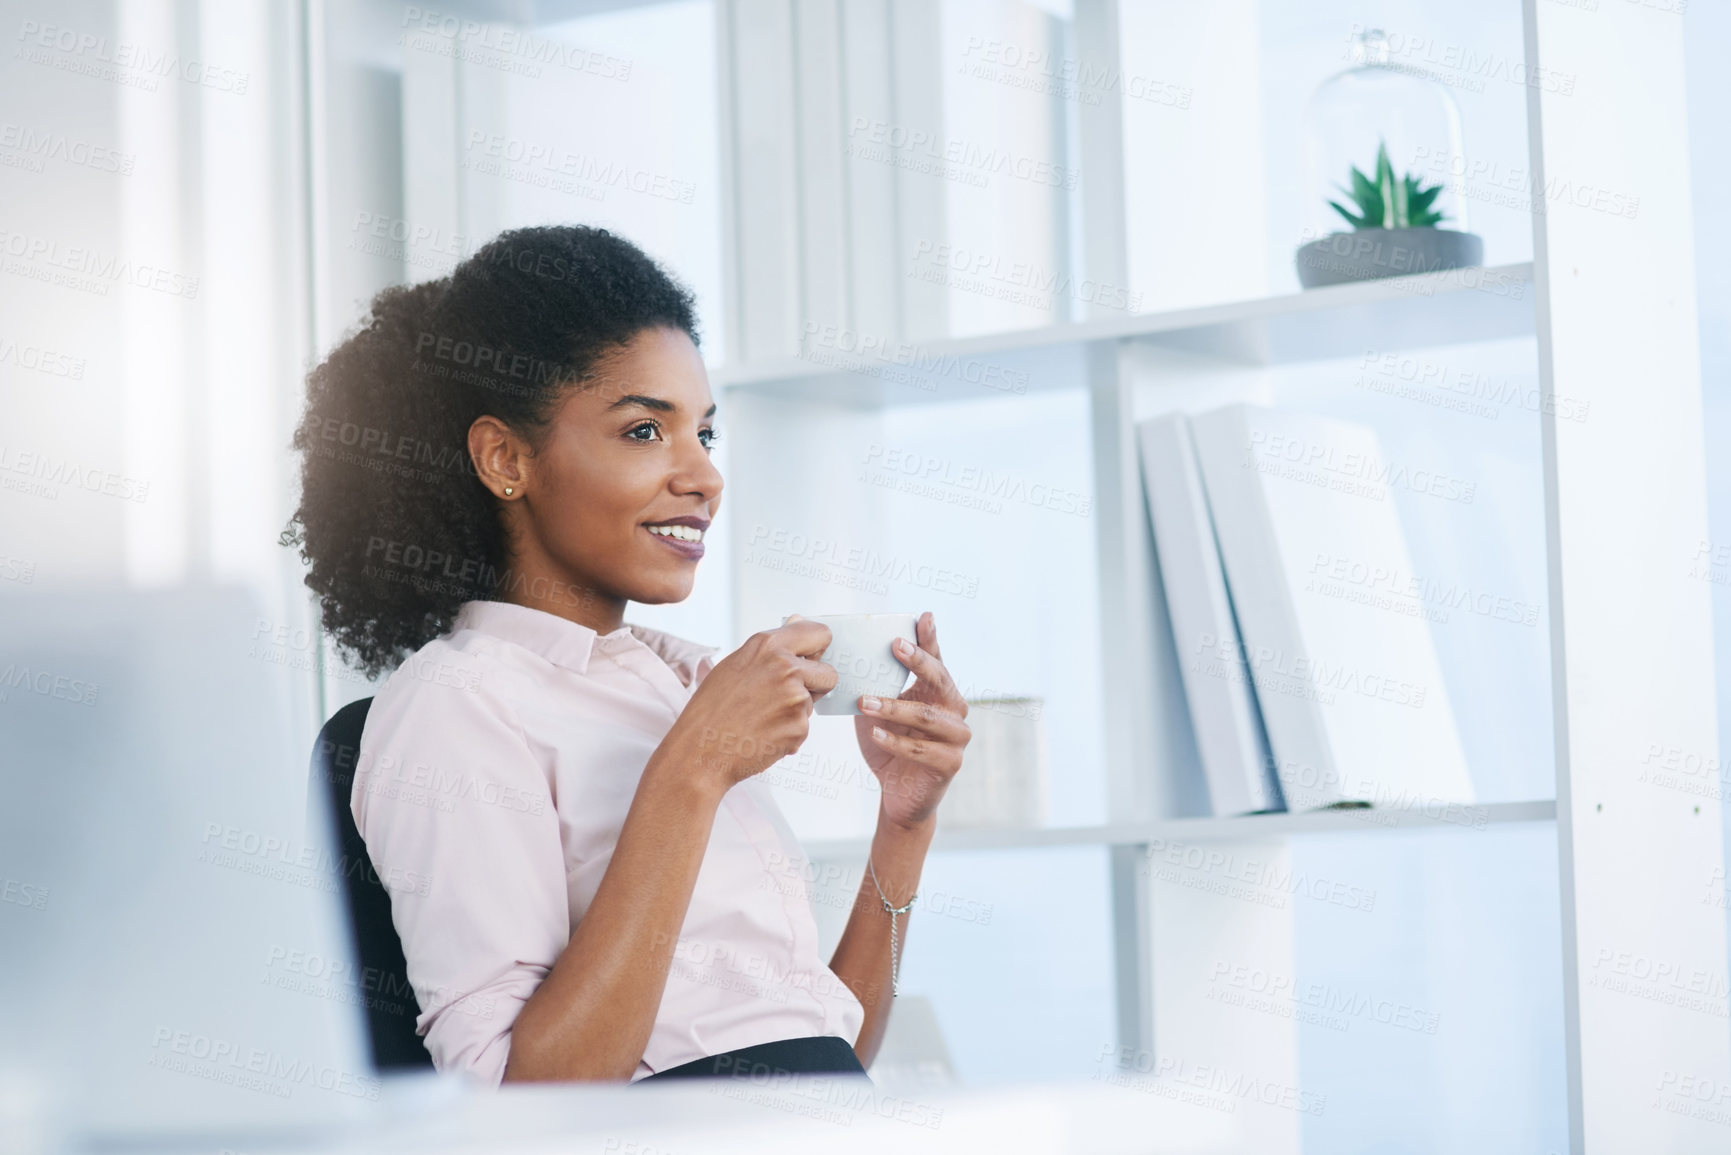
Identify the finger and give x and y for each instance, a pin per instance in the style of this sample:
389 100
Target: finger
802 636
926 632
819 677
939 756
932 720
927 669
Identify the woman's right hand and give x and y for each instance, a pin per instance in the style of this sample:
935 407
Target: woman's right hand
592 1015
755 706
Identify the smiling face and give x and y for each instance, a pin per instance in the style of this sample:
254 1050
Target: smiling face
615 498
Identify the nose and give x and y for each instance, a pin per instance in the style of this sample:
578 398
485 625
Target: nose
696 473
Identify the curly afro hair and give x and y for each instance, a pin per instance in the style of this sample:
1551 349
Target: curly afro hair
395 526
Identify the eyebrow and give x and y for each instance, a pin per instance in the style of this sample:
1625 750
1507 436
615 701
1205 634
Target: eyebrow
655 403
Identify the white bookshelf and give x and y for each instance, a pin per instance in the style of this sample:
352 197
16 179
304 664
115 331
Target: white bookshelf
1186 831
1461 306
1149 760
1629 664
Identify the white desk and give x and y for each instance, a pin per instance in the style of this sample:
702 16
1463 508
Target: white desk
808 1114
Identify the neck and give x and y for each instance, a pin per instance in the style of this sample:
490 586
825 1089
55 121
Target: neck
535 579
564 598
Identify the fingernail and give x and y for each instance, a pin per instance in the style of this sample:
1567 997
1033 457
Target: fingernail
878 733
902 645
869 703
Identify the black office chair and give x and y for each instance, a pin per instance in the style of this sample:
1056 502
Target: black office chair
384 980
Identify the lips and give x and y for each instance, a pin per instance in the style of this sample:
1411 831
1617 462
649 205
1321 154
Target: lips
683 534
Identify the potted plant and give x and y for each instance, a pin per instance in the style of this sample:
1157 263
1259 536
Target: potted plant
1395 231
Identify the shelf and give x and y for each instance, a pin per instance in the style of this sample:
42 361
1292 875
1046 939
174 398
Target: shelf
1455 307
1248 828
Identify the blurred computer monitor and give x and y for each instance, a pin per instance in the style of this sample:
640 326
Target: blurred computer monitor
173 954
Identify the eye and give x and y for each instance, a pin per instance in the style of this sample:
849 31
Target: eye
636 431
708 437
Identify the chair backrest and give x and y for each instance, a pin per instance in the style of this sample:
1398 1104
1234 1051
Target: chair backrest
383 984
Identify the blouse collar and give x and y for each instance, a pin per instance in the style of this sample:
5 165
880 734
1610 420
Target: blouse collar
566 643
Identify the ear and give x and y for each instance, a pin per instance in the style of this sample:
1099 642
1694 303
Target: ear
503 460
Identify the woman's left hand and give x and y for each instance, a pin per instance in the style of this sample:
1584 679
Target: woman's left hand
913 743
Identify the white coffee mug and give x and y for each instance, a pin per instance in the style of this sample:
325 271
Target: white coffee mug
859 649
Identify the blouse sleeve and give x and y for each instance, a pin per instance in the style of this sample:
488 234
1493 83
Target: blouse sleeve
458 819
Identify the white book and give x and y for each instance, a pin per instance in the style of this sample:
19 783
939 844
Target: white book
1345 671
1217 685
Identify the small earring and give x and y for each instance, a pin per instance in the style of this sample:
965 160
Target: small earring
509 491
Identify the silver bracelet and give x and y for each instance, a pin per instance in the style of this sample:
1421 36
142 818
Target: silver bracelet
895 950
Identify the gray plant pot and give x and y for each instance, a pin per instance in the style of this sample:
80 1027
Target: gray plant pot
1366 254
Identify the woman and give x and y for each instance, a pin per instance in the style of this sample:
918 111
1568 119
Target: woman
588 880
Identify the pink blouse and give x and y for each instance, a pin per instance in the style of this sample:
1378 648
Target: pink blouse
496 769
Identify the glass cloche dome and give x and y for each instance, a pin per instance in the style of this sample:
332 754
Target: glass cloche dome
1380 109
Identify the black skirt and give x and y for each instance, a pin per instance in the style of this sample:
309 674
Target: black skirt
816 1055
